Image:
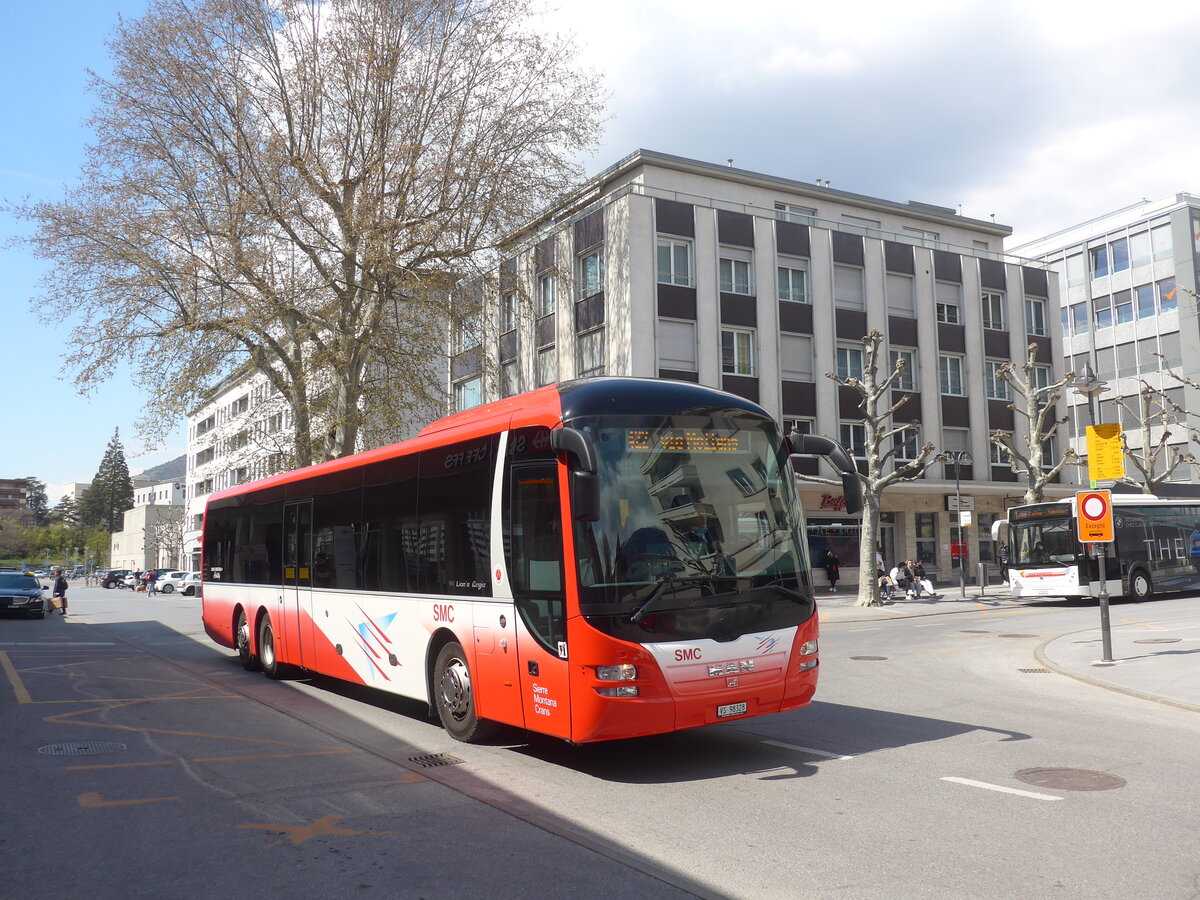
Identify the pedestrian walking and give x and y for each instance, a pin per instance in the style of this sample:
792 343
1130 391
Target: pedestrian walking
832 566
151 583
60 590
1002 558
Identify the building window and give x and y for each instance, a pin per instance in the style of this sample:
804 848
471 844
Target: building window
508 312
509 379
1035 316
997 387
1139 249
735 273
900 293
906 380
737 352
1160 239
591 273
849 362
1079 318
948 295
547 366
1168 300
950 372
1099 257
589 350
1040 376
677 345
993 310
1123 307
1144 301
997 454
854 439
923 234
906 444
207 455
796 357
1103 312
792 284
468 393
1119 255
466 333
547 295
210 423
798 426
790 213
848 286
674 262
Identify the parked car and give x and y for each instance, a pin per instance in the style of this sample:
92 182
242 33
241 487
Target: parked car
170 582
22 593
131 580
114 578
191 585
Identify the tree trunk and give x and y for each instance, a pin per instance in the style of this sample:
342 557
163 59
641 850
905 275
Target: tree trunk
868 589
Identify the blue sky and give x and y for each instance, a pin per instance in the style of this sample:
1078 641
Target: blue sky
1043 114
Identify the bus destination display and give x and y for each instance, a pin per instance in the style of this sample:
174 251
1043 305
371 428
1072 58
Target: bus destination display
681 440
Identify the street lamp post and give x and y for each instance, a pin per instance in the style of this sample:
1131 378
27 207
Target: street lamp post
1087 385
960 458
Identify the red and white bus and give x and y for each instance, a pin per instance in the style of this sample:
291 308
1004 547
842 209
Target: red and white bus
593 560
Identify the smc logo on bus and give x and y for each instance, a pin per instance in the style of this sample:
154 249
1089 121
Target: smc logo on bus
443 612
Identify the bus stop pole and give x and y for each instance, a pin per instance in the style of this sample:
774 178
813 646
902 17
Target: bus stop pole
1105 629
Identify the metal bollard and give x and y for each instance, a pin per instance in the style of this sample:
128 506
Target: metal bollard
983 578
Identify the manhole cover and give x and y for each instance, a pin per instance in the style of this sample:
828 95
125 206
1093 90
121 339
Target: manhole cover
1159 641
1018 635
1071 779
868 657
429 760
82 748
1035 671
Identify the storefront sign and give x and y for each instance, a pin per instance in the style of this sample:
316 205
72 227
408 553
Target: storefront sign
833 501
957 504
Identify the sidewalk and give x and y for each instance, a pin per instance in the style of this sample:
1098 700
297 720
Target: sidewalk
1155 646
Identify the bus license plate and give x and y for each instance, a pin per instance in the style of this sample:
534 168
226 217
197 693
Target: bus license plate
731 709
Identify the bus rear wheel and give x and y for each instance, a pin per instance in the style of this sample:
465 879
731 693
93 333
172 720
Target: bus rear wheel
242 637
1140 586
455 698
271 665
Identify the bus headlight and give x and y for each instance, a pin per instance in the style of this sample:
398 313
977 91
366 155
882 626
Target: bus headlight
621 690
808 648
623 672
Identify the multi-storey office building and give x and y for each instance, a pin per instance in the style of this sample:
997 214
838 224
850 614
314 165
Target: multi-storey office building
1128 281
151 530
674 268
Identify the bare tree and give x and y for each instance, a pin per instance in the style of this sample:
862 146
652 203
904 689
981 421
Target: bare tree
164 536
1154 459
888 451
1037 396
297 185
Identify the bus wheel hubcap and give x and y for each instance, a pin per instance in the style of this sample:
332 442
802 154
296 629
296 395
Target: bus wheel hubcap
456 689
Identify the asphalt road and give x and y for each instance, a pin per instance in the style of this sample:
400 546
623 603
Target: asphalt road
937 762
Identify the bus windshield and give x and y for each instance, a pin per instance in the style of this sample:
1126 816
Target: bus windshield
696 513
1043 536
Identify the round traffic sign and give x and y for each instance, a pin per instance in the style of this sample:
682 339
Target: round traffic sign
1094 507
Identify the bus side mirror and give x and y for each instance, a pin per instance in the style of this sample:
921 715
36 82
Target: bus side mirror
840 459
585 496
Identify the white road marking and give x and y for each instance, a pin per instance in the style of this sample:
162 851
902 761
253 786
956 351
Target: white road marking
807 750
855 630
1001 789
57 643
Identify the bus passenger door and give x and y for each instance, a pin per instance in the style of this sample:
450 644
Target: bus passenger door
296 624
535 568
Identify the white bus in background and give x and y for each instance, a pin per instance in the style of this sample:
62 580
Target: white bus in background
1156 548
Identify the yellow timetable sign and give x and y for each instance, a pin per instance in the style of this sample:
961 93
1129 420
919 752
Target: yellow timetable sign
1106 460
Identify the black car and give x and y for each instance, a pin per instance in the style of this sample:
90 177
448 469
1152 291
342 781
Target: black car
114 578
22 593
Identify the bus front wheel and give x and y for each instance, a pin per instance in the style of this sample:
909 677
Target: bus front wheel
1140 587
455 697
242 636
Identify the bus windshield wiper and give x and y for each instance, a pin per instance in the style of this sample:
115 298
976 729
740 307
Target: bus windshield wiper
640 612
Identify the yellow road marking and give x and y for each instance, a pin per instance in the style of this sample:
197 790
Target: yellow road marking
14 679
93 801
298 834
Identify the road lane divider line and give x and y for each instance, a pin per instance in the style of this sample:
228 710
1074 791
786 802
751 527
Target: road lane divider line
94 801
811 750
14 678
1001 789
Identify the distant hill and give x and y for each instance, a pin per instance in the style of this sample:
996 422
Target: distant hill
172 470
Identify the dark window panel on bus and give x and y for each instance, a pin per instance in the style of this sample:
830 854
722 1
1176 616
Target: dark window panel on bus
455 515
389 532
337 514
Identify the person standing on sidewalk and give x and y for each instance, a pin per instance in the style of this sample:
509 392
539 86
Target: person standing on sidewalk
1002 559
832 565
60 590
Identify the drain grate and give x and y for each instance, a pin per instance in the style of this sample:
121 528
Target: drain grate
429 760
82 748
1071 779
1035 671
1159 641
